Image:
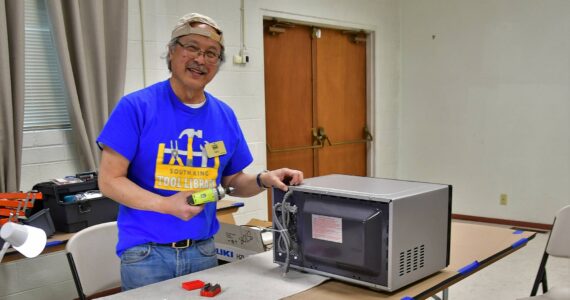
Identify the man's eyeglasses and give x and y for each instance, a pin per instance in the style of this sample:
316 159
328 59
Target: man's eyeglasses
194 51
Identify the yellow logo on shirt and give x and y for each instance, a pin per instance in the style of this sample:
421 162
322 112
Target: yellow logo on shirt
175 167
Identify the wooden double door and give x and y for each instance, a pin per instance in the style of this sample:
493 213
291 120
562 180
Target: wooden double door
315 99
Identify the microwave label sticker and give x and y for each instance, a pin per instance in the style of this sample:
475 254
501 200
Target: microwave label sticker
327 228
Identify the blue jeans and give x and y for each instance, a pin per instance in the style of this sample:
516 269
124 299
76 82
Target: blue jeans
149 263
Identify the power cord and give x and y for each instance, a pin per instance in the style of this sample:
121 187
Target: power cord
283 242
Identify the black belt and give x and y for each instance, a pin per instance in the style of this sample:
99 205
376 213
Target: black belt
177 245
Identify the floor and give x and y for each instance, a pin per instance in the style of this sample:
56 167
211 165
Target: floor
513 276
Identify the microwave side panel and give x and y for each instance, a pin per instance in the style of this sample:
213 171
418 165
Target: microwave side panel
419 236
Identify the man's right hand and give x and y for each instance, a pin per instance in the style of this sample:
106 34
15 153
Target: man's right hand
177 206
113 182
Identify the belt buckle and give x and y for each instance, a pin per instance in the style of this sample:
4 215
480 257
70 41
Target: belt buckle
175 245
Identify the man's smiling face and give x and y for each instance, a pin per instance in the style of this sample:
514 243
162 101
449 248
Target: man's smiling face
191 71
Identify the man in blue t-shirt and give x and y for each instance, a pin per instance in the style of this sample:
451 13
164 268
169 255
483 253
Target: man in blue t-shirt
163 143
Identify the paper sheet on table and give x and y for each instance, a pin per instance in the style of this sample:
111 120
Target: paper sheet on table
255 277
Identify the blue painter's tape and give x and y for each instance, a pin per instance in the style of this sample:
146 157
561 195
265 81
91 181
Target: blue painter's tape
53 243
519 243
407 298
237 204
518 232
468 268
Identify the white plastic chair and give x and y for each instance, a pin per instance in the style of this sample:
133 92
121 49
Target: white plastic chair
558 245
94 265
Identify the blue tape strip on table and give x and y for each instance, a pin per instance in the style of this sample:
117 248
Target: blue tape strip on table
407 298
519 243
518 232
468 268
53 243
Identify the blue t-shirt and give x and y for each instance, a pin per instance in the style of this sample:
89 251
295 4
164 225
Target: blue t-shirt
165 143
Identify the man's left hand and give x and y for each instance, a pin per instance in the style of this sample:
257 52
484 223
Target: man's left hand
281 178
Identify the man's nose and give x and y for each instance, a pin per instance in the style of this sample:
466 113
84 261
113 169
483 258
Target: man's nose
200 57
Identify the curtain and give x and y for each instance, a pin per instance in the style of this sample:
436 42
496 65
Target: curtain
91 40
11 92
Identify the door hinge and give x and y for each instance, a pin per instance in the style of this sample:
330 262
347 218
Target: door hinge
316 33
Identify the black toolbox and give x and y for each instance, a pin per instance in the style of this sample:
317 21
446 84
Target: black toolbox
72 216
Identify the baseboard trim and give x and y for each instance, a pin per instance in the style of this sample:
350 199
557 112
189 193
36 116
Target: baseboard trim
502 222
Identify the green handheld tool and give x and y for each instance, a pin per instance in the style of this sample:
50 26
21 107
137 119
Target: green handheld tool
209 195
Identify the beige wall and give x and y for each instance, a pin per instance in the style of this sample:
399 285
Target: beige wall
486 103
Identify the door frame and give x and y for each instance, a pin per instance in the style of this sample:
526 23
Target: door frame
267 14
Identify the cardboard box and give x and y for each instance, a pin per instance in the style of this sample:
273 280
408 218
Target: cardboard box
226 209
234 242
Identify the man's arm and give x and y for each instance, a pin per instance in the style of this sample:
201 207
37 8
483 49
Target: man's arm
246 184
113 183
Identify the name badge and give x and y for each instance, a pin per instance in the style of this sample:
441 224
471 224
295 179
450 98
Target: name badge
215 149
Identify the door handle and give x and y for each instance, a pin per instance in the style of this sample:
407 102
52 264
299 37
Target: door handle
367 138
271 150
317 143
320 138
320 135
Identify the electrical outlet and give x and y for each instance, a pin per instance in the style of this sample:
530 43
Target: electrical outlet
242 58
238 59
504 199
